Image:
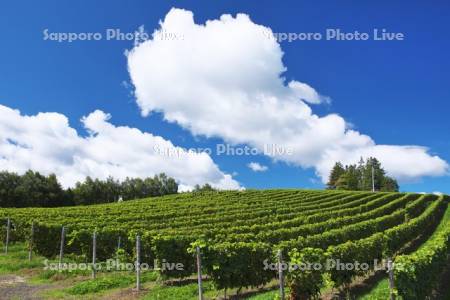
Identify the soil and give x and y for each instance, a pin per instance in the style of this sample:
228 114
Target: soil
16 287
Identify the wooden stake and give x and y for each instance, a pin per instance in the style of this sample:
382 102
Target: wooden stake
138 263
117 251
94 250
391 279
61 247
30 250
280 274
199 274
8 228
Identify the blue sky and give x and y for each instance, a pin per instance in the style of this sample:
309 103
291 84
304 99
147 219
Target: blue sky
396 92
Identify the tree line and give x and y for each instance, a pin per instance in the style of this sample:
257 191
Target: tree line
359 177
33 189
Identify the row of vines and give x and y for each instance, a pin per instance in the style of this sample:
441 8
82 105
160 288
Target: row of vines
239 233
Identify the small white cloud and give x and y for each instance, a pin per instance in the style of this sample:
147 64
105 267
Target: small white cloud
438 193
306 93
257 167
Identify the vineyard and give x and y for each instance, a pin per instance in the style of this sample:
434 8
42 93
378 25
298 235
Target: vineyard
240 232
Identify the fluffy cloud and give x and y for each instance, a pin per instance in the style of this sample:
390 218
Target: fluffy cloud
257 167
224 79
45 142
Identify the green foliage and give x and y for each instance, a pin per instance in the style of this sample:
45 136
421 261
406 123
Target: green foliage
349 179
179 292
9 182
237 265
47 239
31 189
398 236
344 182
389 184
159 185
363 251
359 177
100 284
98 191
238 231
380 291
337 171
35 190
205 188
305 281
380 245
416 274
174 250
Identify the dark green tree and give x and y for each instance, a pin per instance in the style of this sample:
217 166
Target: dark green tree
361 176
361 170
335 174
34 189
353 176
389 185
8 189
343 183
378 174
205 188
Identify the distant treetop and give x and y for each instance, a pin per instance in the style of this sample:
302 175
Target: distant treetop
358 177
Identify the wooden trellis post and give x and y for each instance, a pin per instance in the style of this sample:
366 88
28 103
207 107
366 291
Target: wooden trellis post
94 254
199 274
8 228
30 249
280 274
391 279
138 262
61 247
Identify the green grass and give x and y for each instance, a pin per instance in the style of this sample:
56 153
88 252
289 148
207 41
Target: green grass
380 291
16 262
55 275
182 292
190 292
100 284
107 282
267 295
17 259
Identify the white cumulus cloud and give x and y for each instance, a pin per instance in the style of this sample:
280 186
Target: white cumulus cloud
46 143
257 167
225 79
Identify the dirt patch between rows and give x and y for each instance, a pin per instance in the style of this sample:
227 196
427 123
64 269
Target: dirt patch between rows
16 287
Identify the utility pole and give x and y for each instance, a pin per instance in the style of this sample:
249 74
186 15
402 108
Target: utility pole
373 179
